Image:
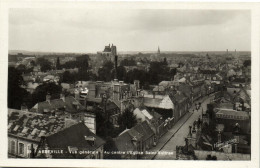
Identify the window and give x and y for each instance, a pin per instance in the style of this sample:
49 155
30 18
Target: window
12 147
21 148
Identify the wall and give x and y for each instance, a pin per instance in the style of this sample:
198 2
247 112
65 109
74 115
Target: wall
27 147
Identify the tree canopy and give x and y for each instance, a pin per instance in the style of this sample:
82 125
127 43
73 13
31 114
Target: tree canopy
41 91
45 64
127 120
16 93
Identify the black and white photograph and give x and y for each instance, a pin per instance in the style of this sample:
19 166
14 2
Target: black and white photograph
129 84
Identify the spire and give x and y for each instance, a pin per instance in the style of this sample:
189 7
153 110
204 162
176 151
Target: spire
158 50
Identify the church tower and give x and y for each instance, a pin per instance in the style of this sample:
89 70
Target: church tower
158 52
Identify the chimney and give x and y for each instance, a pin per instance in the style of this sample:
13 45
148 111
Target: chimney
62 97
235 148
48 98
186 142
189 135
219 137
193 132
90 139
116 57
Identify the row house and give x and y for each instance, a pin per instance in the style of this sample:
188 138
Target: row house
66 107
74 142
154 119
136 140
31 134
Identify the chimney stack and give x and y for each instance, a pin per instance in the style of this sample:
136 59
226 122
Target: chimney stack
48 98
189 135
193 132
116 57
186 142
219 137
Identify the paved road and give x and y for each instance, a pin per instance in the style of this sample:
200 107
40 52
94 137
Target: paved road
178 138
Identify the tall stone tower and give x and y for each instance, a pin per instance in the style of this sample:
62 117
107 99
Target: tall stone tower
113 50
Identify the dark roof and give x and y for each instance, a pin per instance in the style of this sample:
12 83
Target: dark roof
140 132
239 80
144 129
178 97
208 71
110 105
32 126
69 105
74 136
124 142
232 114
185 89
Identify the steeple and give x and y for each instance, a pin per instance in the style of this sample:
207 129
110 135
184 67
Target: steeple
158 52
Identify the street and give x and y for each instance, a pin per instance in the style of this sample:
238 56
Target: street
178 137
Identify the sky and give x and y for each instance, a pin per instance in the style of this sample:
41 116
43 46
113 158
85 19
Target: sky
89 30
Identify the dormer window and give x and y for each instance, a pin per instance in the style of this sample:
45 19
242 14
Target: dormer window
90 139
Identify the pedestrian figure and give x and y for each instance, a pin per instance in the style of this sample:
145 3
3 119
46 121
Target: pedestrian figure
199 122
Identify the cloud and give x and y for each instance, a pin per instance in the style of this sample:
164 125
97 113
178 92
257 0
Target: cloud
81 30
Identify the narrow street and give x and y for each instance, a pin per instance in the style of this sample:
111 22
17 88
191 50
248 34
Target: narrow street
182 132
175 136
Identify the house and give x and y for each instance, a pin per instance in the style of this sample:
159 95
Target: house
230 118
204 155
155 120
135 140
66 107
25 130
112 111
162 105
51 78
76 142
181 104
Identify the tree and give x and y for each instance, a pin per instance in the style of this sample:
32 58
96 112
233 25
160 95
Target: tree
110 146
105 73
82 62
165 61
247 63
16 93
105 128
41 91
44 63
58 63
127 120
67 77
127 62
121 73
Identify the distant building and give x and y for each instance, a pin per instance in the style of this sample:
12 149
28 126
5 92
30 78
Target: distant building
109 52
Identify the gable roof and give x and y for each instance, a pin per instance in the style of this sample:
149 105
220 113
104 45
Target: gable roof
140 132
69 105
32 126
74 136
158 103
144 129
